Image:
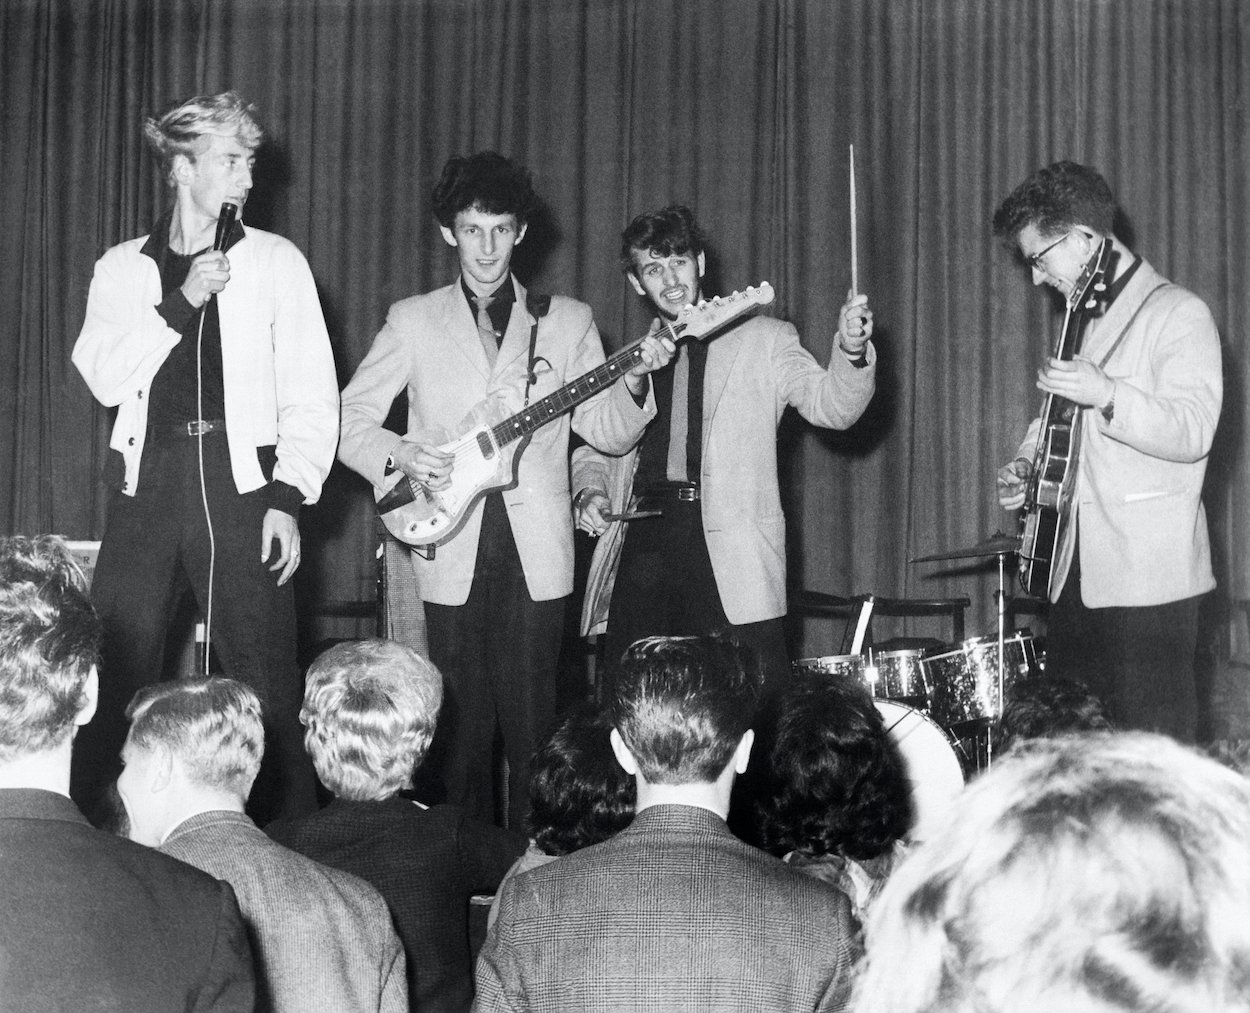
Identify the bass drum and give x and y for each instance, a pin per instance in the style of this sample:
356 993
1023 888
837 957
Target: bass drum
930 762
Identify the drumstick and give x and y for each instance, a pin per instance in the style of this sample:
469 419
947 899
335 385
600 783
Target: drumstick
862 626
854 232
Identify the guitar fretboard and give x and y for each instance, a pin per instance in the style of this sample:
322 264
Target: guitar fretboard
571 394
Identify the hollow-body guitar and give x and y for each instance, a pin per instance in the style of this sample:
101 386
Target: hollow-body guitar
1048 497
487 445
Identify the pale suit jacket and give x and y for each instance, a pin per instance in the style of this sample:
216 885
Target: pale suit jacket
753 372
673 913
430 345
1138 495
322 938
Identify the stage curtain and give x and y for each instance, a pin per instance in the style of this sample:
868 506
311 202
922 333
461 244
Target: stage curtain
744 109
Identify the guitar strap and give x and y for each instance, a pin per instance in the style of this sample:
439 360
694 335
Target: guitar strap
1124 331
537 304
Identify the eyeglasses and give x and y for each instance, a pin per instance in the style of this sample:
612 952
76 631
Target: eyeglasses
1034 260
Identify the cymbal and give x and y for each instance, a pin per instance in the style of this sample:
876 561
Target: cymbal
998 544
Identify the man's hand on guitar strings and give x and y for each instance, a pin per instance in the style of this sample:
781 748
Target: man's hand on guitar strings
655 352
1077 380
427 466
1012 480
854 325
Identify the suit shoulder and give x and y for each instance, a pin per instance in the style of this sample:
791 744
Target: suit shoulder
570 312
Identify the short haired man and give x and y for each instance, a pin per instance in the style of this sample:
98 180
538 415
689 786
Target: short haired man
1134 558
495 593
370 709
89 921
220 367
323 939
1101 873
674 912
715 559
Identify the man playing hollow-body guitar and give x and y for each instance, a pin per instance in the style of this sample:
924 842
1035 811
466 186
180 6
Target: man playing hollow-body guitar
1133 558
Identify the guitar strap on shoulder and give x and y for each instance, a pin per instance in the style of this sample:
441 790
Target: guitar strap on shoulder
537 304
1124 331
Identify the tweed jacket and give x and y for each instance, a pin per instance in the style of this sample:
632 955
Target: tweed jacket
280 386
322 939
430 346
426 863
1137 511
673 913
89 921
754 371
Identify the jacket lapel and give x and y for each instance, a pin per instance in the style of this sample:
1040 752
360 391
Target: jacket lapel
516 339
721 356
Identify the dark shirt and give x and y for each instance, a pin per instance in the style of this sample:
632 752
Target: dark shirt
172 399
499 311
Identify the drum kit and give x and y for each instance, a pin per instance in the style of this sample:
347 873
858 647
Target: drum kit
940 705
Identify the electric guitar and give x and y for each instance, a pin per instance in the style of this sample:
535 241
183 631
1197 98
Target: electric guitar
1048 497
486 448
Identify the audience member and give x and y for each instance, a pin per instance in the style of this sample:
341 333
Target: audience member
322 938
1097 873
1041 707
673 912
370 708
89 921
579 794
837 804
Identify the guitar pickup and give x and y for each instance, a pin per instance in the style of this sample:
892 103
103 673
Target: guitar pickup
485 446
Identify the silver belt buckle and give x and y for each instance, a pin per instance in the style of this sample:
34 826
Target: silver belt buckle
199 427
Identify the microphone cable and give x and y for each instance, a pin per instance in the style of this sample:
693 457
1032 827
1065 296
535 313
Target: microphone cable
225 222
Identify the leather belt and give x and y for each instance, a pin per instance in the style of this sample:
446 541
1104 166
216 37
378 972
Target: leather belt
182 430
671 492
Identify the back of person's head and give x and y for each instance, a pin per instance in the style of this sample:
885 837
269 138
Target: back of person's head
1042 707
487 182
182 130
370 708
669 232
213 726
1095 873
1058 197
49 642
579 794
836 784
682 704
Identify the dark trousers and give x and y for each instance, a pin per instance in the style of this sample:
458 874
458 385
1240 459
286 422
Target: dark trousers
1138 660
665 587
498 654
156 543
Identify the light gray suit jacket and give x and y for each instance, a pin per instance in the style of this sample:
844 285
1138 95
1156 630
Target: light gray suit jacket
322 938
754 371
1138 497
673 913
430 345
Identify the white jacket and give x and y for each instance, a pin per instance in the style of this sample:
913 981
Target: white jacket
280 385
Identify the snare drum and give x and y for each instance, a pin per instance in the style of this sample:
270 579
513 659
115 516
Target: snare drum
931 764
963 683
849 666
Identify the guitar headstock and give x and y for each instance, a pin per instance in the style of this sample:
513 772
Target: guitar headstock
710 315
1092 278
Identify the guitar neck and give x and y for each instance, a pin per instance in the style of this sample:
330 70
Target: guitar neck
573 393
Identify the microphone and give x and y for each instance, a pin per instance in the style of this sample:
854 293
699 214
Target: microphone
225 222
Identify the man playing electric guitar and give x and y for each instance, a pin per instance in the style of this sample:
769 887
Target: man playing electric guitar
1133 559
495 591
